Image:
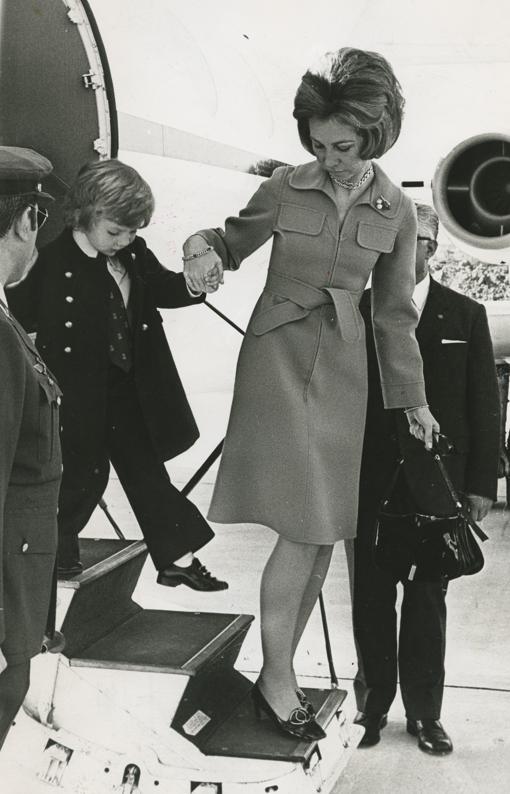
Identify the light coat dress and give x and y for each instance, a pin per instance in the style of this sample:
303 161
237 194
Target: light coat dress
292 453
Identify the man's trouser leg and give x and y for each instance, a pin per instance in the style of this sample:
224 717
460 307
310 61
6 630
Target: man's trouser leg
14 682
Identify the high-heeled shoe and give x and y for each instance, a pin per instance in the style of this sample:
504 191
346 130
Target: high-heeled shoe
305 703
299 723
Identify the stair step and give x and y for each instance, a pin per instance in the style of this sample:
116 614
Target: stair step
100 556
242 735
166 642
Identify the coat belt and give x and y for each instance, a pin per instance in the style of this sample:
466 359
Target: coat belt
299 299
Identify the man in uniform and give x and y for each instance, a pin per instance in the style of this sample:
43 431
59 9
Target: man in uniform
30 460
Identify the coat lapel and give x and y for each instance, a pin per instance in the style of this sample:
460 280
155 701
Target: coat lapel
128 258
435 310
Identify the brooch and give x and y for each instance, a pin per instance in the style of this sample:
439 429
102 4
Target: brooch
381 203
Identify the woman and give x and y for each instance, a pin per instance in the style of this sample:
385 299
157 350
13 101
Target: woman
292 453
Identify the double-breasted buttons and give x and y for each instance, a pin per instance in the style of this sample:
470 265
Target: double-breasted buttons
67 349
68 274
69 298
68 324
144 326
24 547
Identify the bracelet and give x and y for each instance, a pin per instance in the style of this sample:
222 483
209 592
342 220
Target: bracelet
408 410
198 253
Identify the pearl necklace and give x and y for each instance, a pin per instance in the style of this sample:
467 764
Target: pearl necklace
354 185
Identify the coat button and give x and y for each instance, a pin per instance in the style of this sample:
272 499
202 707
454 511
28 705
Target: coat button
67 349
68 274
69 324
59 400
144 326
69 298
24 547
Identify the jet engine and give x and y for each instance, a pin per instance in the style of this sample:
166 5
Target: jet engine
471 194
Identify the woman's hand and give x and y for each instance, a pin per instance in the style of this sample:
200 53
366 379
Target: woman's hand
203 268
422 424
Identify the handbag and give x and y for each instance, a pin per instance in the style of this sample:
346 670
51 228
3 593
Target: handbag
421 547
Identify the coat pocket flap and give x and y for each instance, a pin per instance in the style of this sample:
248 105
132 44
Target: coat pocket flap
376 237
293 218
274 316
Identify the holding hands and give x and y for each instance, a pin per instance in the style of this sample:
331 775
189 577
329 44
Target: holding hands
203 268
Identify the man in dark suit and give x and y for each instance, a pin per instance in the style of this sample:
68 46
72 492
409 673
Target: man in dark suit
30 459
462 391
93 299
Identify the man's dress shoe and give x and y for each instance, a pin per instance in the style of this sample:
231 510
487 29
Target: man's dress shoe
373 724
432 737
195 576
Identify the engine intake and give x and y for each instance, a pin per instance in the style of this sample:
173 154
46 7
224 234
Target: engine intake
471 194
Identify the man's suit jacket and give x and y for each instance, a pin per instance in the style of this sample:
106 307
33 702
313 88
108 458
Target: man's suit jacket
462 392
65 300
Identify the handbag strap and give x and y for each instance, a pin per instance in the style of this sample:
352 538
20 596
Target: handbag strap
456 499
393 482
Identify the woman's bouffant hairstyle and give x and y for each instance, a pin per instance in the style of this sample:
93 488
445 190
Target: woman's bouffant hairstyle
108 189
360 89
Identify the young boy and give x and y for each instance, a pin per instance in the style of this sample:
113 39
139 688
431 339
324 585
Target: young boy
92 299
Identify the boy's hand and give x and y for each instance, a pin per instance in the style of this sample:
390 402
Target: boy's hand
214 278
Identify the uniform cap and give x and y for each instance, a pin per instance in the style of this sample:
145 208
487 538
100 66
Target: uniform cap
22 171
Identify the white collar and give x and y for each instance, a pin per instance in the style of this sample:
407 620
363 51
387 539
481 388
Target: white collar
421 292
2 294
83 242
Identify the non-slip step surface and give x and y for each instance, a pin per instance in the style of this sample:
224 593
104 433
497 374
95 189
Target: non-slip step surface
94 550
159 641
242 735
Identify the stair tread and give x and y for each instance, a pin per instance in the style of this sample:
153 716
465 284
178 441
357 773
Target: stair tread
156 640
242 735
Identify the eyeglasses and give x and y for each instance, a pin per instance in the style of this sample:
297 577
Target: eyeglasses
41 215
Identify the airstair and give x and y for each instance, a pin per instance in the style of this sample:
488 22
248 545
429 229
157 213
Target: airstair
158 691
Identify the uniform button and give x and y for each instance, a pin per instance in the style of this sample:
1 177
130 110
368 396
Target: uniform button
24 547
67 349
144 326
69 298
68 274
69 324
